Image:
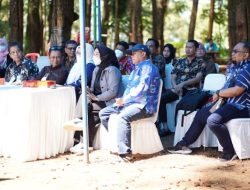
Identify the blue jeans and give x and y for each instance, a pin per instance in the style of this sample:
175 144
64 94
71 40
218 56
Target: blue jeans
126 115
215 122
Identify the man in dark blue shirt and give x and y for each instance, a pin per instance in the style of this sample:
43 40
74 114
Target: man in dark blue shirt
236 106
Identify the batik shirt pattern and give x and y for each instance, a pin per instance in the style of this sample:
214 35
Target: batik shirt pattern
126 65
159 61
27 70
143 87
185 70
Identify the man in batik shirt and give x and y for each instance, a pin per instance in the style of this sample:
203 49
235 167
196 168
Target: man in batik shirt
157 60
70 51
20 68
139 99
125 61
186 75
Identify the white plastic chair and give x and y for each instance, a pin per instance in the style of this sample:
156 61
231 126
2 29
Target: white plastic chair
144 135
42 61
239 130
101 140
212 83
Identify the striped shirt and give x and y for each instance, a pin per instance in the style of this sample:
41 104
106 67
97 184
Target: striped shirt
241 72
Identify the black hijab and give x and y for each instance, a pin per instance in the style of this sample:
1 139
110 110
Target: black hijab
108 58
172 53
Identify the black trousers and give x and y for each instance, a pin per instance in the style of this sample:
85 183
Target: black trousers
93 119
167 96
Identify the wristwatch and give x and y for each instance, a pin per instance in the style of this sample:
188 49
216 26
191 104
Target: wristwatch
217 92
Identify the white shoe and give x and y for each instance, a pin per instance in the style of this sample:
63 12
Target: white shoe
73 125
77 149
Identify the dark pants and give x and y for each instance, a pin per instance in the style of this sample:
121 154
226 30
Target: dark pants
167 96
93 120
215 122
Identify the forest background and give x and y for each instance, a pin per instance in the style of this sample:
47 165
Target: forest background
36 22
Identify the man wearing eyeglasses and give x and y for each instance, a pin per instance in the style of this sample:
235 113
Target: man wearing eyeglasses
20 68
70 51
236 91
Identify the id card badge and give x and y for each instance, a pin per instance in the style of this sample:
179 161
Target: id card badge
45 77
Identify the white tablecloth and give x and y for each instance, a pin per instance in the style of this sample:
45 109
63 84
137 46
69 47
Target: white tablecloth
31 122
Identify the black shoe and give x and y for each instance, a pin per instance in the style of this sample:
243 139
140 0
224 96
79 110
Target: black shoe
126 157
226 157
179 149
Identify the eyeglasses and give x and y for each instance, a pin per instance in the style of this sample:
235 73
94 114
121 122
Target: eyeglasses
71 48
55 48
15 52
237 51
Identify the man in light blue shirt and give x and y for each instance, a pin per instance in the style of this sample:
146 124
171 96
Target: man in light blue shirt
139 99
237 92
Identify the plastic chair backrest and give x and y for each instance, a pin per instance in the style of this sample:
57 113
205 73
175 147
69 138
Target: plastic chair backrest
154 119
33 56
168 69
214 82
123 85
42 61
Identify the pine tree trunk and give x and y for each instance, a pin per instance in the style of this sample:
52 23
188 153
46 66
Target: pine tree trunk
238 21
159 8
136 22
34 30
211 20
193 20
117 25
16 20
105 19
62 18
88 12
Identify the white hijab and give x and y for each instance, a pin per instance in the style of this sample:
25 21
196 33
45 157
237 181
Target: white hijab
75 71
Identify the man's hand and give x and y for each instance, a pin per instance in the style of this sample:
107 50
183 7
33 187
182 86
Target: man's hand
178 89
119 102
215 97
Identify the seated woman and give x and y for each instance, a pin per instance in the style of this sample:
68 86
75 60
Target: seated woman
20 68
104 87
74 78
5 59
56 71
170 60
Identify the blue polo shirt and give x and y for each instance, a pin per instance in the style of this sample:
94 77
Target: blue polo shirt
241 72
143 87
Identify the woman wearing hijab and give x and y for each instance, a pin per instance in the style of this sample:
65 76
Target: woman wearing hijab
74 78
103 90
170 60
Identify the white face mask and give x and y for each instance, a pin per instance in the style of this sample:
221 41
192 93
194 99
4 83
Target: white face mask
97 60
118 53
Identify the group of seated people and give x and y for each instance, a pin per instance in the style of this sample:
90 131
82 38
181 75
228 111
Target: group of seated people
145 67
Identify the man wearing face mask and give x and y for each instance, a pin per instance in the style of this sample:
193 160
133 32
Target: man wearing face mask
125 61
